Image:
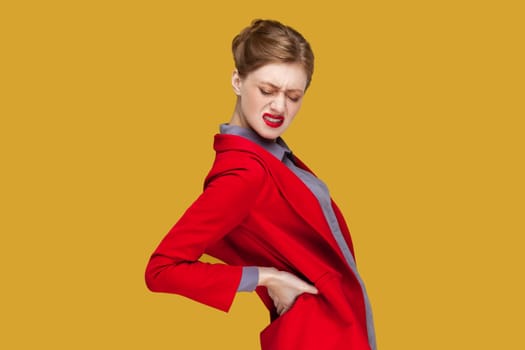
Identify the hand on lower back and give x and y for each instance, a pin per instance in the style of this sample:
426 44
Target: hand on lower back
283 287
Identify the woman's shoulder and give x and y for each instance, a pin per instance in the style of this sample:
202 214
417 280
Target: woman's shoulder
234 150
244 163
238 161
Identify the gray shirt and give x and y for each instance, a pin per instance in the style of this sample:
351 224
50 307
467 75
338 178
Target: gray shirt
280 150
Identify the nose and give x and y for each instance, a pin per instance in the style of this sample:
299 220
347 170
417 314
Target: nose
278 104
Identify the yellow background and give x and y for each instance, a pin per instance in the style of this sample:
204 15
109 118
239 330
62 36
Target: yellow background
414 119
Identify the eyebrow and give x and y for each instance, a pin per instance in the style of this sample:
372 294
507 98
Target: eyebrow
278 88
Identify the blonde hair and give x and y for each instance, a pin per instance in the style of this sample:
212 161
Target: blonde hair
269 41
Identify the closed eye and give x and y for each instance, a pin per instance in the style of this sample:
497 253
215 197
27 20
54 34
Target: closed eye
265 92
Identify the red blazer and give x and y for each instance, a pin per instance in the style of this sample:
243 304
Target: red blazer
255 212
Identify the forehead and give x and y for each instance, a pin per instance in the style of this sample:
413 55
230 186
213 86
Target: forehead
287 76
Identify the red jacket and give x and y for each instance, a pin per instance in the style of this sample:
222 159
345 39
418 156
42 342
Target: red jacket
255 212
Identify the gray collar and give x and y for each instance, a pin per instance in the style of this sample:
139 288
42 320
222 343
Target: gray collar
277 148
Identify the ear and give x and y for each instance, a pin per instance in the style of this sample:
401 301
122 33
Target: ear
236 82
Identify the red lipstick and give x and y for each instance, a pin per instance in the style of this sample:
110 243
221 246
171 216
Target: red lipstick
273 121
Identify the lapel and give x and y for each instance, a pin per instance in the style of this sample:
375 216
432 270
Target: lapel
296 193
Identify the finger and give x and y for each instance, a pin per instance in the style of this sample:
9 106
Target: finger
308 288
284 310
281 309
276 302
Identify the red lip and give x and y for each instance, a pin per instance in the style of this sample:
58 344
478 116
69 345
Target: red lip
273 121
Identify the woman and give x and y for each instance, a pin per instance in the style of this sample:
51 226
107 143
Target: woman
266 216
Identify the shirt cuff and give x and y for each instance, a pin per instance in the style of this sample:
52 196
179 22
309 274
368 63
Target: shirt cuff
249 279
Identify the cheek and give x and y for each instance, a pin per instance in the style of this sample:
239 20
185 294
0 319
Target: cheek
254 101
294 108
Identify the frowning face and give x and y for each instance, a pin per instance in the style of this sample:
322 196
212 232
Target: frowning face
269 98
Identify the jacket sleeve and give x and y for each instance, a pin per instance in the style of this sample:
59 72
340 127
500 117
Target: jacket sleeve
174 267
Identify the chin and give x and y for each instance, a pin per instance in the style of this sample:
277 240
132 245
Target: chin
269 134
